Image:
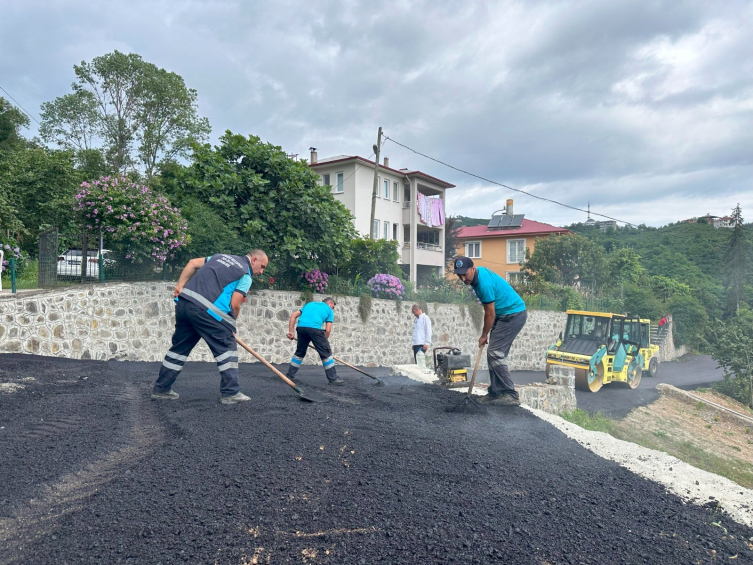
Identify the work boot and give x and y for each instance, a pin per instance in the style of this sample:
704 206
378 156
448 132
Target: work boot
504 400
235 399
169 395
337 382
487 398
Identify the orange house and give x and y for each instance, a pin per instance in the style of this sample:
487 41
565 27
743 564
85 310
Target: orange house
501 245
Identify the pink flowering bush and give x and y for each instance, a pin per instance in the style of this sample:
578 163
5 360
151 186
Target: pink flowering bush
386 286
133 218
10 250
316 280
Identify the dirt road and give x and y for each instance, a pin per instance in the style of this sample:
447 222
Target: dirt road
92 471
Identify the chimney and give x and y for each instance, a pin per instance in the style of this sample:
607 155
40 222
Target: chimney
386 161
314 156
509 207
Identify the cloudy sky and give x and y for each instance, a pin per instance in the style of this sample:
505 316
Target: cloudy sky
643 108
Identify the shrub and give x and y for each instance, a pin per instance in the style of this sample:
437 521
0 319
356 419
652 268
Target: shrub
139 222
386 286
316 280
12 251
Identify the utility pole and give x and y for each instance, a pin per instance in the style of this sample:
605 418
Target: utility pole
377 148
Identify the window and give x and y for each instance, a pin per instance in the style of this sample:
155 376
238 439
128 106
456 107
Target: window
375 229
515 277
386 193
386 230
379 182
395 193
325 180
339 187
394 231
516 250
473 249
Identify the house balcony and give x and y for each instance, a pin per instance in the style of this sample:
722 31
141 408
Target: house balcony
425 254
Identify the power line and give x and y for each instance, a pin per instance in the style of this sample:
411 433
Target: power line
19 105
504 185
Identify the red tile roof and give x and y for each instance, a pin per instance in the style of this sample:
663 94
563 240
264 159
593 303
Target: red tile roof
529 227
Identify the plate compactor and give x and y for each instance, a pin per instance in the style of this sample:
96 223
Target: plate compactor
451 366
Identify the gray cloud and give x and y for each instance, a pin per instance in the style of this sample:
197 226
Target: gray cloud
643 108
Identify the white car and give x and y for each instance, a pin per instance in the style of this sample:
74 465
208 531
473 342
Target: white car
69 263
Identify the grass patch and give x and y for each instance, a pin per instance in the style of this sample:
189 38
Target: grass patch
597 422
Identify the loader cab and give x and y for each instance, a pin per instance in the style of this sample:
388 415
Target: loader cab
626 332
585 333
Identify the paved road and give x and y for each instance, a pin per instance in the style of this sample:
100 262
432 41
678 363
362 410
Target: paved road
617 400
92 471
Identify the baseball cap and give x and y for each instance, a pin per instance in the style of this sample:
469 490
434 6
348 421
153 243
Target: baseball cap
462 264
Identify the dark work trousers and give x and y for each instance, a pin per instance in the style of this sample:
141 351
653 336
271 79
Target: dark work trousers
416 349
504 331
312 335
193 323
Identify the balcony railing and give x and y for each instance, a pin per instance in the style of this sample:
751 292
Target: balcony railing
421 245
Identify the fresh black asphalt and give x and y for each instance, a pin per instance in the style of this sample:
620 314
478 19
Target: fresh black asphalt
92 471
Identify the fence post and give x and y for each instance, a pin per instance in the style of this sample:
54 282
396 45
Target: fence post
13 275
101 267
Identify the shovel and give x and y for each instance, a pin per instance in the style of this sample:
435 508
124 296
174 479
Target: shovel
469 404
377 383
308 397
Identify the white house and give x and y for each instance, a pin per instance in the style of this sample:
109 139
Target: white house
410 208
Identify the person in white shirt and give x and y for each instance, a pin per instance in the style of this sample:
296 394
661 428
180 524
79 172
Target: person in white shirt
421 331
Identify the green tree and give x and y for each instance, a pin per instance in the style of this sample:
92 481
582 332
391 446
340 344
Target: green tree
641 301
625 266
566 260
269 201
38 185
451 242
370 257
689 319
131 110
730 344
11 122
737 263
666 288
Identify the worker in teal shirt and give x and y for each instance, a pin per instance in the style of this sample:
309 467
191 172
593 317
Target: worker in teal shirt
311 318
504 317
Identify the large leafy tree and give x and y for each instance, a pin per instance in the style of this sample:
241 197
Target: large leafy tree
11 122
370 257
37 186
566 260
730 344
268 200
134 112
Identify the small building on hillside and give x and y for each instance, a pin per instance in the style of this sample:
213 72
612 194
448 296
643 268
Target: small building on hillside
501 245
724 222
410 208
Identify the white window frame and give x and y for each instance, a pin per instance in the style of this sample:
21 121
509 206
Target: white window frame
521 278
469 247
375 229
326 179
340 182
386 230
386 189
379 184
395 232
395 192
510 260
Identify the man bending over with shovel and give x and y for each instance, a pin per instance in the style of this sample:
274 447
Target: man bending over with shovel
208 297
311 318
504 317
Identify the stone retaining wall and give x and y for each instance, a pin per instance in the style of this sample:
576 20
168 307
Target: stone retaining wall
555 395
135 321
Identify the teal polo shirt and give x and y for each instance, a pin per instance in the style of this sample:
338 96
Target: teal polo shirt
315 315
490 287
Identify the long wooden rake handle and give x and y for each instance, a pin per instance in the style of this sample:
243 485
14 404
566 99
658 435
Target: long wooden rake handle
473 378
268 364
347 364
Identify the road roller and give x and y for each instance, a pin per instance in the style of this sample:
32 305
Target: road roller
605 348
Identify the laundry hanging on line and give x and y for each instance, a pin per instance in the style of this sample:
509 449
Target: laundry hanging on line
430 210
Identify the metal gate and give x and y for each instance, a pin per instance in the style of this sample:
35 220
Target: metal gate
48 258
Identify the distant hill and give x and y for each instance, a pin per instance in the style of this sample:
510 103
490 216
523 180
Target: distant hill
465 221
